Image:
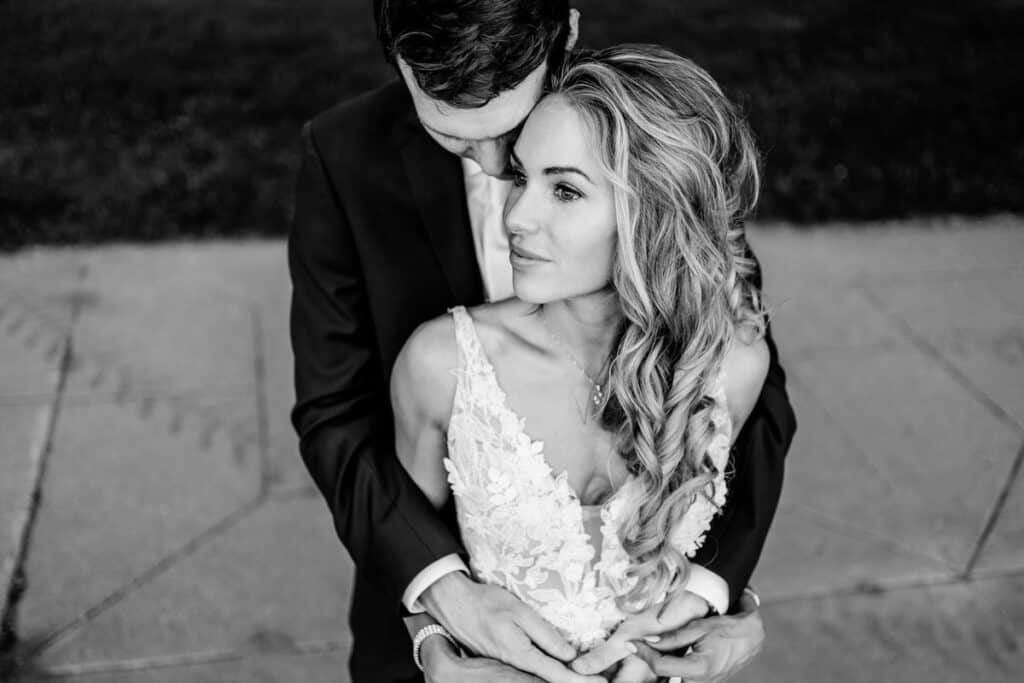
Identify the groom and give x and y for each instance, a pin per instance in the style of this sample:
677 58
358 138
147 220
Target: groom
397 218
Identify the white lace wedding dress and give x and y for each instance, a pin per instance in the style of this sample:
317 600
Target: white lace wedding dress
524 527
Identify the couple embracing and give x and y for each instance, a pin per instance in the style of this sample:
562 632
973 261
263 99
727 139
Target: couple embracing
533 371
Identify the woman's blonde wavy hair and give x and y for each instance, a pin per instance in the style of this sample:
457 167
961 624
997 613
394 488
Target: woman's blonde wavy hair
684 169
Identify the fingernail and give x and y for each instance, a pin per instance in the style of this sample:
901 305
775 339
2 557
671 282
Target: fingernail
631 647
652 639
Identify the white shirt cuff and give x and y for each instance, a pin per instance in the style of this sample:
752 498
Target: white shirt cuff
710 586
426 578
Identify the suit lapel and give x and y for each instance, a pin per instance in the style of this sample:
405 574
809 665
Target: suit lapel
438 189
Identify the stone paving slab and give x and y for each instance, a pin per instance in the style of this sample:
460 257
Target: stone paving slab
21 434
285 472
195 317
275 580
192 320
119 497
832 527
946 456
1004 551
326 667
286 468
28 357
825 456
817 321
183 339
229 269
801 258
809 553
940 634
977 323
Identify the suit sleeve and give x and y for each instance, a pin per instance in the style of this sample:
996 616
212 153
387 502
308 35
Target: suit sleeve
736 538
342 412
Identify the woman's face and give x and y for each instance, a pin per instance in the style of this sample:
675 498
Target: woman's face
560 213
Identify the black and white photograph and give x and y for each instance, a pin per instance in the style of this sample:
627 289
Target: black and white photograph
511 341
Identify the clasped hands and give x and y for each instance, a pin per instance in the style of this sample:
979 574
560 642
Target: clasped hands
513 643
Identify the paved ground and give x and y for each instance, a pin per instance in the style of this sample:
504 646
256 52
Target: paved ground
144 394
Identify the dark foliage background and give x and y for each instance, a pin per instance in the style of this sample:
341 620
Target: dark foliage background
160 119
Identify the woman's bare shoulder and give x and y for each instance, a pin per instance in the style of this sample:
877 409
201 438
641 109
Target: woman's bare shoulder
423 373
744 369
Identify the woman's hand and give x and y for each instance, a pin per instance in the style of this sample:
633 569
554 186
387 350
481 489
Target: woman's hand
634 670
646 626
718 647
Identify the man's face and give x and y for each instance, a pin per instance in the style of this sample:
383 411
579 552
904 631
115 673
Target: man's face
484 134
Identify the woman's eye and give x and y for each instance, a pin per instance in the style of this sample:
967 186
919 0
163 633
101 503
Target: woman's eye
566 193
518 178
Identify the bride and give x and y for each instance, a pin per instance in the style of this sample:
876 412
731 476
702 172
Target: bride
583 426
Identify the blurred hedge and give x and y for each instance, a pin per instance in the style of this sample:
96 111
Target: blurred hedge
158 119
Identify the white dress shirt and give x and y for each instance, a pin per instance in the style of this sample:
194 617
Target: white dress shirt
485 200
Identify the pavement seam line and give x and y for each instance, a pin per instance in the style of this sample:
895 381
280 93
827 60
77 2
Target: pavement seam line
262 411
297 649
105 366
865 534
14 563
840 351
944 275
996 512
94 399
189 548
887 586
929 349
979 395
847 438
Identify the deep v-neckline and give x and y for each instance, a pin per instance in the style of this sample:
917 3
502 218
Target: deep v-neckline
537 447
524 527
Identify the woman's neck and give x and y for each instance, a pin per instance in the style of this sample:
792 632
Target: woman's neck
587 324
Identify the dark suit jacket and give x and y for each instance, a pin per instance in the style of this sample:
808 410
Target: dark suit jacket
380 243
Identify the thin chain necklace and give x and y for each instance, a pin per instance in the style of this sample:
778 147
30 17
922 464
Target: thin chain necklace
597 394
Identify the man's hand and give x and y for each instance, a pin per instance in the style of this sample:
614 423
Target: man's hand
491 622
665 617
442 664
720 647
634 670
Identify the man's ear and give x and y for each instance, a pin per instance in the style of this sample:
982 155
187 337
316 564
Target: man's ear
574 29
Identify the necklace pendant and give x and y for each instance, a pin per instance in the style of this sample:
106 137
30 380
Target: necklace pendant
598 395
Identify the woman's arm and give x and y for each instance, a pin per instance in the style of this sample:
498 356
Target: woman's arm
422 391
745 367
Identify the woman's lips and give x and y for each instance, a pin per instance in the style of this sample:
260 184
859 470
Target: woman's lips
520 254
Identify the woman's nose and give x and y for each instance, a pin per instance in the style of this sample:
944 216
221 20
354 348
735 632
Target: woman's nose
518 218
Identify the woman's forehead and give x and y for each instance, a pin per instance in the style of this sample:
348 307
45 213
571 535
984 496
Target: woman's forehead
555 133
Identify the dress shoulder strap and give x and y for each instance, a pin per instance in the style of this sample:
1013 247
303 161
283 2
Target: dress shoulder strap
471 354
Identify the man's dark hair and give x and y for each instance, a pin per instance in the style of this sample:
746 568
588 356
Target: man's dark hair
466 52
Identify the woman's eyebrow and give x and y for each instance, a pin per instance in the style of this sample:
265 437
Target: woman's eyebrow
559 170
552 170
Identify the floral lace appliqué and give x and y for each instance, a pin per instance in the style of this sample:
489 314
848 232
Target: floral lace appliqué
523 525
